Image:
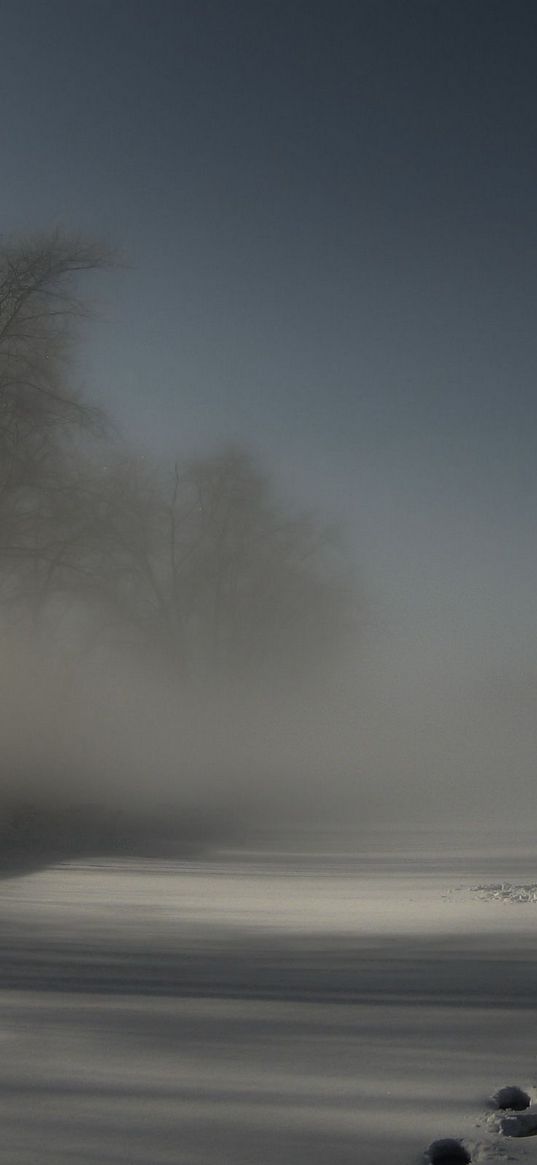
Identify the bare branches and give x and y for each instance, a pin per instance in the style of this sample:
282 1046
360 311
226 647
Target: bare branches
39 304
210 570
39 406
204 567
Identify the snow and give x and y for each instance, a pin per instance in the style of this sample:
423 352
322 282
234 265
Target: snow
505 892
351 1005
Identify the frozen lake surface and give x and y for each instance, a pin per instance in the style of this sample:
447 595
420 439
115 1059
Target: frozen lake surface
299 1004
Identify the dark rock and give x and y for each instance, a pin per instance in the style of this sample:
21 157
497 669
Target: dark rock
448 1152
512 1097
519 1126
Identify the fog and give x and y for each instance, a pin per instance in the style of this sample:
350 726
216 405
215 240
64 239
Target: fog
268 667
183 640
108 733
87 723
199 635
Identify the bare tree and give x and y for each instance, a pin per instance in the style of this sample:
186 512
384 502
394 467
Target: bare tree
206 568
39 407
203 566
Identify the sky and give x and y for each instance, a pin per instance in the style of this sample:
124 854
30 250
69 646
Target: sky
328 218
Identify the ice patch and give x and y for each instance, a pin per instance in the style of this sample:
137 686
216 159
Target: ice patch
507 892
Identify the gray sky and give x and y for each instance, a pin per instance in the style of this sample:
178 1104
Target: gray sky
329 212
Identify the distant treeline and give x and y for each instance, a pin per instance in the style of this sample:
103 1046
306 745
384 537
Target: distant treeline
196 566
192 587
33 834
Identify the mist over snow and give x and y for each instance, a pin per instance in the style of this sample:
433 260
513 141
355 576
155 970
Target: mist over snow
109 730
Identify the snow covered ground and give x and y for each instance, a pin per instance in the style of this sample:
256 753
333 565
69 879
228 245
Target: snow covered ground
291 1004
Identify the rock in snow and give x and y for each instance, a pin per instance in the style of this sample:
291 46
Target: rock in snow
512 1097
448 1152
